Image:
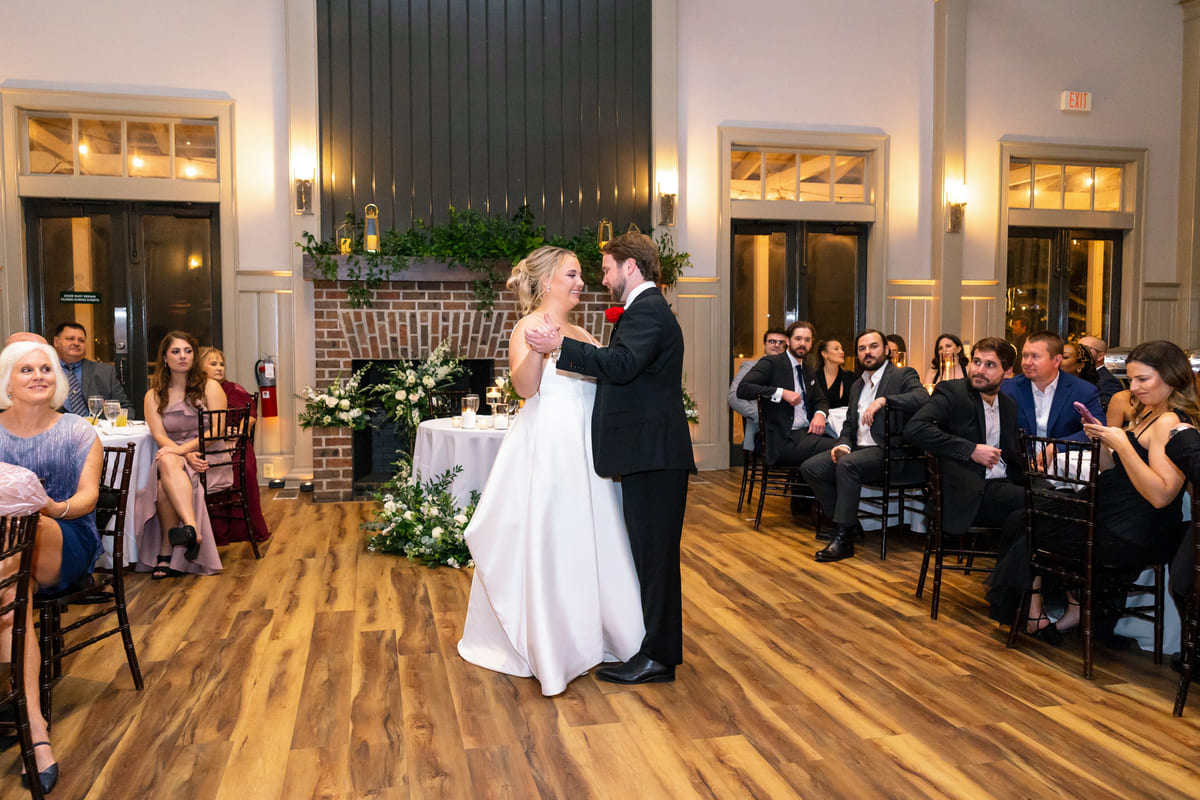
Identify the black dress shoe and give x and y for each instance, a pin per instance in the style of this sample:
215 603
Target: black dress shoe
841 547
639 669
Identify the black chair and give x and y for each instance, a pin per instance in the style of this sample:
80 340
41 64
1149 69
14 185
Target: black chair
1191 615
905 479
777 481
104 588
224 439
751 459
1073 468
16 558
965 549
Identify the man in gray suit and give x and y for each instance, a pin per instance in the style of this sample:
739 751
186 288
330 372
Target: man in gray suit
85 377
775 341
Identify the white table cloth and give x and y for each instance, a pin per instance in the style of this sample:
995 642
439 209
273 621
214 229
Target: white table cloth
440 446
143 472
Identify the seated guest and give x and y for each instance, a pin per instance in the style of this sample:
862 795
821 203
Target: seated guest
1107 383
947 347
836 477
174 503
1077 361
1018 330
64 452
1138 497
1183 448
774 343
212 362
832 379
972 429
895 344
1046 395
797 409
86 377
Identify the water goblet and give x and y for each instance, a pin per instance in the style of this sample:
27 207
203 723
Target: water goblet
95 406
112 409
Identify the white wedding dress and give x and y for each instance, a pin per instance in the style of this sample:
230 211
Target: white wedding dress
555 591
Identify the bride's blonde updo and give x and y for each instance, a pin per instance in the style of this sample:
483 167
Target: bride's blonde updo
530 277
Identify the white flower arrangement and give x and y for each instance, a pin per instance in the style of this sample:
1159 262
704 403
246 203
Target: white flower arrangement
410 393
690 409
342 405
421 521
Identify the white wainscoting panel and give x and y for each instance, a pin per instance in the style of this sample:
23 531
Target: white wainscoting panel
697 305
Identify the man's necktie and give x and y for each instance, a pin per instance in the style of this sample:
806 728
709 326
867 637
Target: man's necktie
75 401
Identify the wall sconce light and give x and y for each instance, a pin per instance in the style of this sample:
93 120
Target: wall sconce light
304 175
956 204
604 233
668 193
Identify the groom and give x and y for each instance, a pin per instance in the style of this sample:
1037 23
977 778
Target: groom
640 435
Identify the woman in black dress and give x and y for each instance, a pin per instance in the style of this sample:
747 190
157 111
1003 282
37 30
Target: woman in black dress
1138 498
831 377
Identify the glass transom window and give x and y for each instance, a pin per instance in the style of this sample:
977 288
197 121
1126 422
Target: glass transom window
87 145
803 175
1069 186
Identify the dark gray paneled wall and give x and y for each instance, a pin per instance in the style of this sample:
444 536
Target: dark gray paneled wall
487 105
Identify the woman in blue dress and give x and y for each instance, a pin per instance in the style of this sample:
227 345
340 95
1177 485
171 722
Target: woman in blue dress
65 453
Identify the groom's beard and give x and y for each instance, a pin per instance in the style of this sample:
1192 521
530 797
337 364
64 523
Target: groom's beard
618 291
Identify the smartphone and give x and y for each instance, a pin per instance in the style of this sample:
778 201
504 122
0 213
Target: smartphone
1088 416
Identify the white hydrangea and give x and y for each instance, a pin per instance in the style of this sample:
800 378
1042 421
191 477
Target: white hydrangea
344 405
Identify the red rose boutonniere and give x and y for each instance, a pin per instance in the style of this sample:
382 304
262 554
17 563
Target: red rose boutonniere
613 313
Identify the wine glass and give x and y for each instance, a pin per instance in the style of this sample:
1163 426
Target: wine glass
112 408
95 406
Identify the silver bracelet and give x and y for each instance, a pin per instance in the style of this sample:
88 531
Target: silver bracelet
66 510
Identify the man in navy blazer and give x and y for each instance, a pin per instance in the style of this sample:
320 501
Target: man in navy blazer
1046 395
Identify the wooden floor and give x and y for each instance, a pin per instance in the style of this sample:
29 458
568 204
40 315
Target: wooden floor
326 671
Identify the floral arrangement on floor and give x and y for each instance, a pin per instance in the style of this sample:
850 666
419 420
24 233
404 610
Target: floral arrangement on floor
409 393
689 405
342 405
421 521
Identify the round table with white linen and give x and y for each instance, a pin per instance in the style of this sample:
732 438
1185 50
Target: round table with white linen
143 472
440 446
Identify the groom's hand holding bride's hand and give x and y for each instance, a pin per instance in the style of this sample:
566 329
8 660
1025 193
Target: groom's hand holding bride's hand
545 338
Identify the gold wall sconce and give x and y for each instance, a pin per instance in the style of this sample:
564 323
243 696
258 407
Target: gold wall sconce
668 193
304 178
604 233
956 205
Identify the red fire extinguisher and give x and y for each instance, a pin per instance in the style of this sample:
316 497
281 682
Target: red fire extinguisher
264 373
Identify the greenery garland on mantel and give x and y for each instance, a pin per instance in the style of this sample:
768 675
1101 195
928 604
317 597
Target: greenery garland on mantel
479 244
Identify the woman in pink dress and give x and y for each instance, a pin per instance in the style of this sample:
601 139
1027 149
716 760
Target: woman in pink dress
212 361
175 502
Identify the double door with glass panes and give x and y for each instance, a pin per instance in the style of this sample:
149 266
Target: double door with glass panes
128 273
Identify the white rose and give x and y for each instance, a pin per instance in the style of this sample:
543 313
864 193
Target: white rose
411 378
461 519
433 512
408 515
428 381
417 394
389 507
344 405
356 413
436 533
330 401
450 562
401 394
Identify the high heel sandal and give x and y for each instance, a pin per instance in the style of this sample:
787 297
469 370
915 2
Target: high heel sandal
48 777
185 535
1073 627
1048 633
162 570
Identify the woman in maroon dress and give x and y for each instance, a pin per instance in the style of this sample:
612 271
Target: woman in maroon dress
212 361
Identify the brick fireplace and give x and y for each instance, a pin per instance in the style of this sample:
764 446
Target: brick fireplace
406 320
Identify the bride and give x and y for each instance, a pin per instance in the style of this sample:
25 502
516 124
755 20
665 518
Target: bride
554 591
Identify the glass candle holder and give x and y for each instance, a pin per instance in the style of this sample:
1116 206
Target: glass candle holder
470 407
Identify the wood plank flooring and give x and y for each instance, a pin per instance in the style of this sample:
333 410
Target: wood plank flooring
326 671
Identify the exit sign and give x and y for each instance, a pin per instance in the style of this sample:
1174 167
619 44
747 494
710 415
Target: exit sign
1075 101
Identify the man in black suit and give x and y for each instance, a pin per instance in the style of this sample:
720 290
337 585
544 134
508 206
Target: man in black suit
796 413
85 377
836 478
1183 448
640 434
1107 383
971 427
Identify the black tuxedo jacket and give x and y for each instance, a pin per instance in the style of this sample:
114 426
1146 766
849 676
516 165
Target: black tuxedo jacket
903 389
775 372
638 421
949 426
